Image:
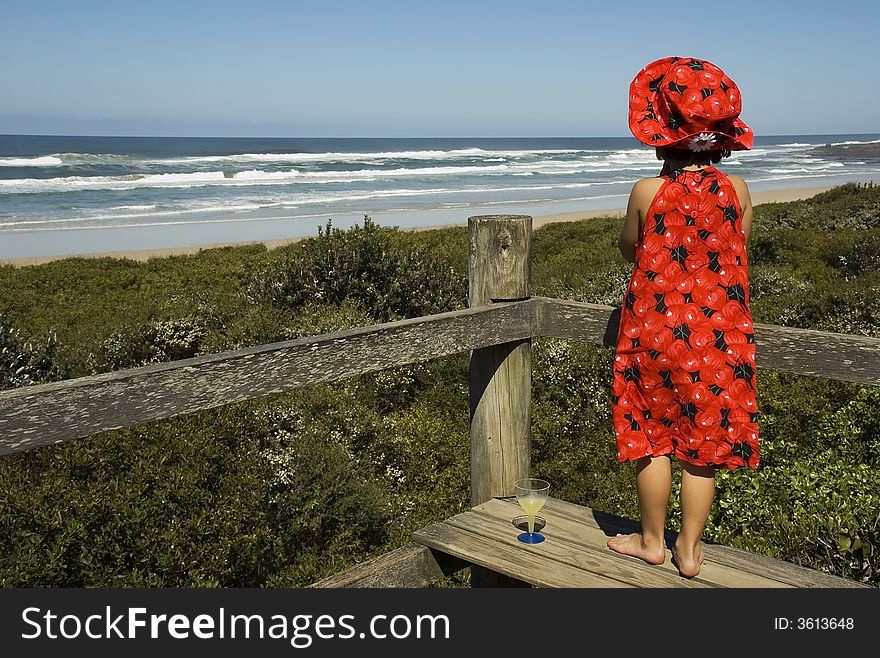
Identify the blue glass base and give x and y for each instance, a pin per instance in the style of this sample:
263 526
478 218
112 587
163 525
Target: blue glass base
531 537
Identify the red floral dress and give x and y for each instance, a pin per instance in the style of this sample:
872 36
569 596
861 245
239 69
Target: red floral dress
684 366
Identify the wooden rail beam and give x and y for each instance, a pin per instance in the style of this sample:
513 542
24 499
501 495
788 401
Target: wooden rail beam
844 357
49 413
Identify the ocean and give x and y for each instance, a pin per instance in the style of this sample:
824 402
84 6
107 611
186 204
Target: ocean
76 195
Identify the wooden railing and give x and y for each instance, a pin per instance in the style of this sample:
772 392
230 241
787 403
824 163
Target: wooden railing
497 330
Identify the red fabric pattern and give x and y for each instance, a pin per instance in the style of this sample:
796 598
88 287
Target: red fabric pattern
684 364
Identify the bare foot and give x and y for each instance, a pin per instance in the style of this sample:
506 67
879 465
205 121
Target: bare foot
688 565
632 545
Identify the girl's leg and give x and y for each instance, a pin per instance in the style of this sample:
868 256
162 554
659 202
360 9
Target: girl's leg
654 484
697 494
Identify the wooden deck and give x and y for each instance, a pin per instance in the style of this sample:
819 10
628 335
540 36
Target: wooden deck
575 554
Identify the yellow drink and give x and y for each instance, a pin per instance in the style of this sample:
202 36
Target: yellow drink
531 503
531 493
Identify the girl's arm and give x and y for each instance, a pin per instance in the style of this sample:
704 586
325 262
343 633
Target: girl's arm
639 200
745 203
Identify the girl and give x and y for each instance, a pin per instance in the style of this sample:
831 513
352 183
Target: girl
684 367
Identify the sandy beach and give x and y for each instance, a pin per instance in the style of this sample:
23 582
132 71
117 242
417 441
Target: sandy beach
538 221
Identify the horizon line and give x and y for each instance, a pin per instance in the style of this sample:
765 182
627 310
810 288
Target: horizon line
131 136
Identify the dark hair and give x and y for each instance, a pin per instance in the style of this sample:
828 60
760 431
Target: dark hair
688 157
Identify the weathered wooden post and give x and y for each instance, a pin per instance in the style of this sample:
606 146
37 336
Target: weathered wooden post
500 376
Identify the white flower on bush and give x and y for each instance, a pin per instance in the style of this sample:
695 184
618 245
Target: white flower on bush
395 474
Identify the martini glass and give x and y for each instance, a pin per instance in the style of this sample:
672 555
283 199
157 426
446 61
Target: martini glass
531 493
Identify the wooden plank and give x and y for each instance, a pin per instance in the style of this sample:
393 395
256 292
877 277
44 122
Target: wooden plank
48 413
786 573
844 357
575 553
714 571
795 574
577 522
507 559
562 549
413 565
562 318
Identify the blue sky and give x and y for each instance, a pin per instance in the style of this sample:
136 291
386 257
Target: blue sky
384 68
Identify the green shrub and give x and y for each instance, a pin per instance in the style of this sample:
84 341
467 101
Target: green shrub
793 413
847 206
863 256
425 457
820 512
324 506
396 388
173 504
852 431
85 301
763 249
606 286
363 265
580 261
780 280
854 310
22 362
225 498
312 319
159 341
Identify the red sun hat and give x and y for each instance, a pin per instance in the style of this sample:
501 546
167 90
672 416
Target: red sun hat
687 103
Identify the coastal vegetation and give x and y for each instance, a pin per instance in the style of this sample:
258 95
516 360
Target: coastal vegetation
294 487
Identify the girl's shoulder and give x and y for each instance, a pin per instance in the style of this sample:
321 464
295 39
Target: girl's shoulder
734 178
644 190
742 189
648 185
640 199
